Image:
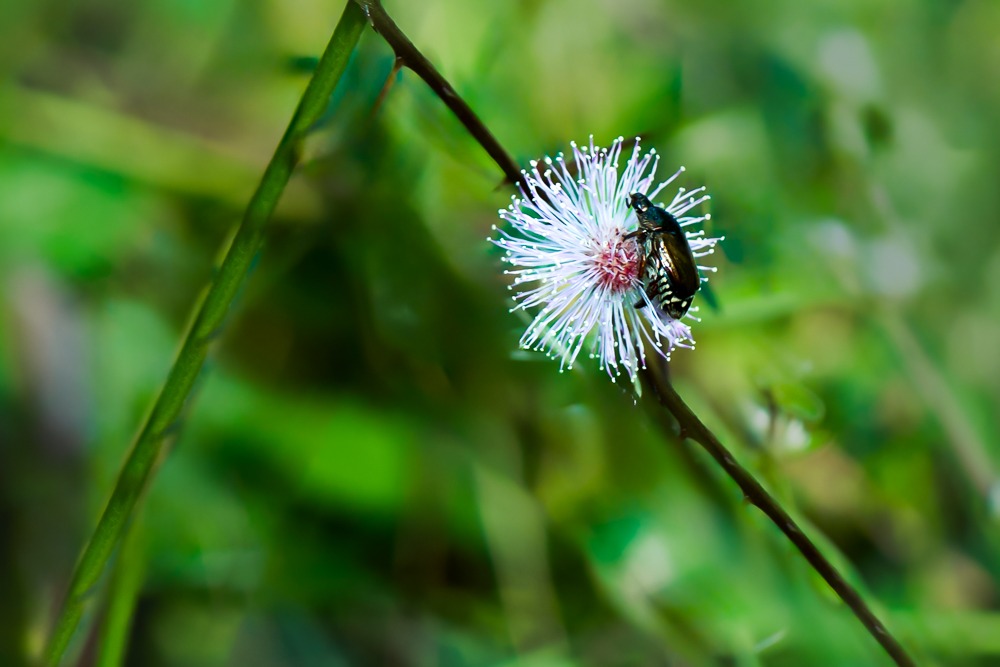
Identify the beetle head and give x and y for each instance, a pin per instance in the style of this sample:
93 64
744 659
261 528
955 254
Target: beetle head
639 202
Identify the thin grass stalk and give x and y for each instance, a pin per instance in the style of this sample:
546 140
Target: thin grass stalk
123 595
149 447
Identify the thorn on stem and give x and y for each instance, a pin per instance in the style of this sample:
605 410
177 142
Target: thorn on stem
390 79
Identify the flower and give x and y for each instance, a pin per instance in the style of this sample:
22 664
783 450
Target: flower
570 257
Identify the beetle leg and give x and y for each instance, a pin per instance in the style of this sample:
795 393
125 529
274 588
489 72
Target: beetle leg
642 272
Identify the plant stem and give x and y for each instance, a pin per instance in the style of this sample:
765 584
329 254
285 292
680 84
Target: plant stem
412 58
163 420
755 493
123 594
690 425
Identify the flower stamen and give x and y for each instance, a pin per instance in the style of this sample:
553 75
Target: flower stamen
572 261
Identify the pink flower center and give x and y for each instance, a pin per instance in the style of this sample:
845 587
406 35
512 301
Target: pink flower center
617 264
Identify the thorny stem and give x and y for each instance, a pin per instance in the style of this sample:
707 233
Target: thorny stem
412 58
755 493
690 426
163 420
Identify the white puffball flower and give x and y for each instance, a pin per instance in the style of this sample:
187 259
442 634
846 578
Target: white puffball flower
570 258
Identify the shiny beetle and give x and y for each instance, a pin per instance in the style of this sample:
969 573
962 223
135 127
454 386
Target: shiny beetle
667 267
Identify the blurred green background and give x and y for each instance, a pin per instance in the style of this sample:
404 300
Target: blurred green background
370 473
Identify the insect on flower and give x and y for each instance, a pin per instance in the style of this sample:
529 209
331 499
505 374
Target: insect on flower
667 266
599 261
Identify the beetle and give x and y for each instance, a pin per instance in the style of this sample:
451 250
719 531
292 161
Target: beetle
666 266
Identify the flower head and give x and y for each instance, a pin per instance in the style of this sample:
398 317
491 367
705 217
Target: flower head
572 260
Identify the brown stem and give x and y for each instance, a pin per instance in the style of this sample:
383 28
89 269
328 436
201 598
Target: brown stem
690 426
387 86
412 58
753 491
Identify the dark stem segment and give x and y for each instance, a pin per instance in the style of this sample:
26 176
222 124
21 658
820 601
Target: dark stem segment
162 423
691 427
416 61
754 492
387 86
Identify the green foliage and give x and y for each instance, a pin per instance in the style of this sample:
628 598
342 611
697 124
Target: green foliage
369 472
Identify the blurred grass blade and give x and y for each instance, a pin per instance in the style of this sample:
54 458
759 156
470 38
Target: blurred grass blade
148 448
124 587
